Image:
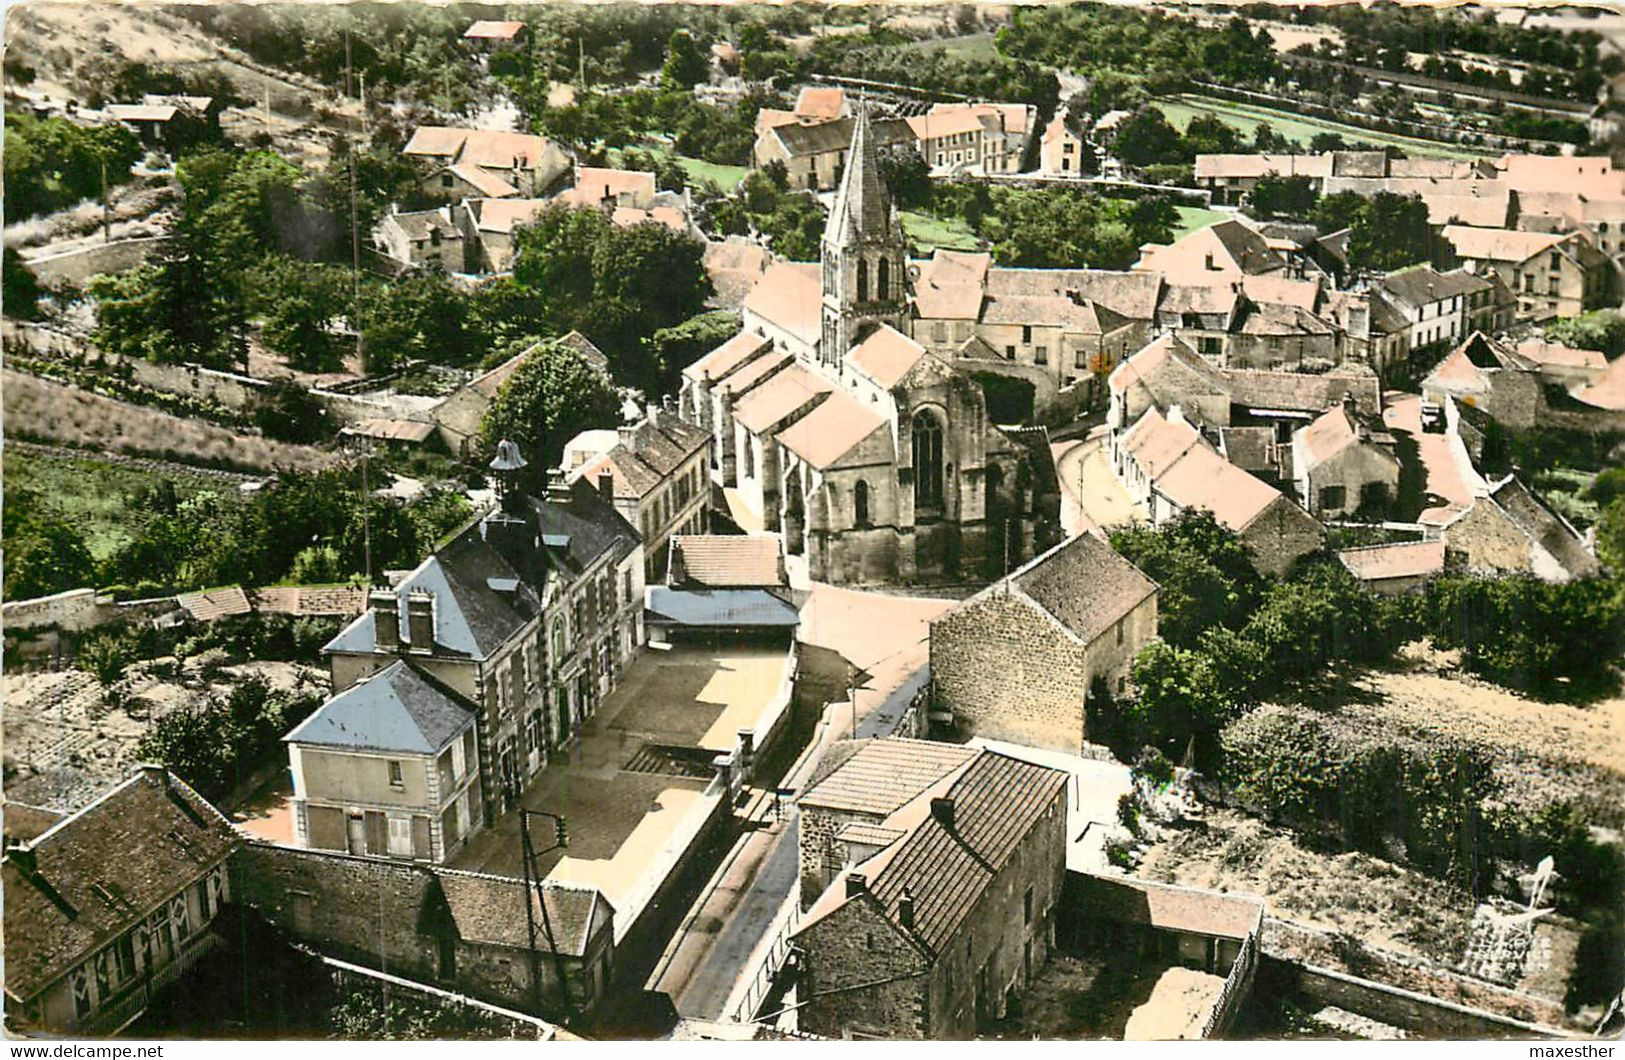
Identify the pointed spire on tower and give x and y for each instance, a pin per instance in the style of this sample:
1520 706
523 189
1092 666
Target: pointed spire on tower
861 205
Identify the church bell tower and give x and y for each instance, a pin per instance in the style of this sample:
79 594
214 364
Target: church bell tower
864 255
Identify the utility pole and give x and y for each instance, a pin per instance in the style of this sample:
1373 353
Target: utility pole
366 511
533 887
107 222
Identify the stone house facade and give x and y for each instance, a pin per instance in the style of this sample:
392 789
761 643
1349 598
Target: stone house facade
1341 466
1017 661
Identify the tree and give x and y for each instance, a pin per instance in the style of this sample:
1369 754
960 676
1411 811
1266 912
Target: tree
291 413
686 66
907 177
1145 138
550 397
671 349
1602 330
1179 697
1386 232
1205 575
43 553
299 302
1283 197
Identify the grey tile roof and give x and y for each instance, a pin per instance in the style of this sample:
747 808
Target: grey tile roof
879 776
490 910
398 709
862 207
1085 584
589 527
99 871
722 608
1425 284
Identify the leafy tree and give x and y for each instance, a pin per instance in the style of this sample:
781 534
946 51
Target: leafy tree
22 291
291 413
1386 232
1209 134
1145 138
552 396
1611 535
299 302
686 65
1205 574
418 316
1283 197
907 177
43 553
1601 329
52 163
1179 695
670 350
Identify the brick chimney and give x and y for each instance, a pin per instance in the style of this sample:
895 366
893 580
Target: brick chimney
420 619
942 809
606 485
627 434
386 619
905 908
856 884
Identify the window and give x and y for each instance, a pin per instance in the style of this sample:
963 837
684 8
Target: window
927 460
626 587
1080 358
939 331
445 180
1557 261
1331 498
750 459
396 780
1041 355
1026 334
863 280
1119 631
458 762
1009 353
1027 907
860 504
883 280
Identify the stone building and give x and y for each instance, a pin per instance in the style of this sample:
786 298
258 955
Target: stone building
111 905
1062 146
873 458
660 480
460 931
1341 466
388 767
482 163
1510 530
1552 274
1490 376
1018 661
420 237
947 912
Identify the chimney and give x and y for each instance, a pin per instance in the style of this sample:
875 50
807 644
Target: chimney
627 433
420 619
23 858
606 485
386 619
943 810
1176 414
669 403
558 490
905 908
856 884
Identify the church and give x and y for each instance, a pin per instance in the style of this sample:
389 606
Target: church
873 457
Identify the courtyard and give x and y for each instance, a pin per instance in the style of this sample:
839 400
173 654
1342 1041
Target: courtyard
636 784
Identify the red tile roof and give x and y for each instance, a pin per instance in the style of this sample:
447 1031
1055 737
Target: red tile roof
886 355
882 775
725 358
1409 559
794 387
726 561
830 431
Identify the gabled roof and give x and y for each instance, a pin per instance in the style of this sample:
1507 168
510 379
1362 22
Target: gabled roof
727 357
791 297
1083 584
1259 388
648 454
950 285
142 112
399 709
578 527
594 184
1326 436
749 375
1230 246
491 29
1132 294
487 184
1544 527
1156 441
1202 479
879 776
1167 907
764 407
1167 368
726 561
822 102
1609 393
826 434
886 355
490 910
102 869
505 214
1215 167
487 148
1500 244
1424 285
1551 354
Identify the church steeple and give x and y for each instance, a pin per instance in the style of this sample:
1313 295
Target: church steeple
864 255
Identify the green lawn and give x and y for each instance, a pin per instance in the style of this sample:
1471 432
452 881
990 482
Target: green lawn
927 232
979 47
1193 217
725 177
102 500
1245 118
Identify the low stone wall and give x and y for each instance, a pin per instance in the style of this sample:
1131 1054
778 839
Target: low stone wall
516 1026
79 609
79 265
1428 1017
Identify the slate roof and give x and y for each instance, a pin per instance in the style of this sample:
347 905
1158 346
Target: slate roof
1544 527
398 709
726 561
660 445
490 910
1425 285
472 620
101 870
1249 448
590 524
881 775
830 431
1084 584
997 802
418 224
801 139
719 608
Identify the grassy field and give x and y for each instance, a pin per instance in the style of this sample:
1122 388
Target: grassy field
100 498
927 232
1193 217
1245 118
725 177
978 47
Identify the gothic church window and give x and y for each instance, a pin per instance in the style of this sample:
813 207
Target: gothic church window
863 280
883 281
927 460
860 504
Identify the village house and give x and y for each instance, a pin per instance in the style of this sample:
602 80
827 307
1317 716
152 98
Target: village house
1395 568
814 153
1019 660
111 905
1561 365
484 164
1510 530
977 138
421 237
172 122
946 912
1166 372
495 34
1061 149
659 469
1230 179
389 767
1341 467
726 561
1553 275
626 196
1440 308
1168 468
488 226
1490 376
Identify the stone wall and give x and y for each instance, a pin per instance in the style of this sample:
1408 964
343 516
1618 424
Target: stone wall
1425 1016
1280 534
856 946
1488 539
78 266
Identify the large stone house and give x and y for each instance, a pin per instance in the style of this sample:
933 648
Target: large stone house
1018 661
1341 466
457 164
111 905
531 613
420 237
389 767
946 911
1552 274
